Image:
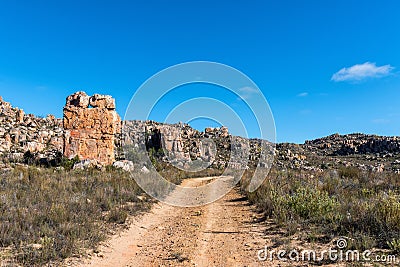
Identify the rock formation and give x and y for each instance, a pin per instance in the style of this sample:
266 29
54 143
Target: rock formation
90 127
357 143
182 144
20 132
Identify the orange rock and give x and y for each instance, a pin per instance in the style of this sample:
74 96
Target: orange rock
20 116
90 132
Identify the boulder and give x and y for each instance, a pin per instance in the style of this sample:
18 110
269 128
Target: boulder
78 99
102 101
87 164
126 165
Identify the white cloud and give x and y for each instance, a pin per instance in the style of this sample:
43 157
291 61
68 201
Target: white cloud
360 72
304 94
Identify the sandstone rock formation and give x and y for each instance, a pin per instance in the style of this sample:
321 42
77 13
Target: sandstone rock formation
183 145
90 127
20 132
91 130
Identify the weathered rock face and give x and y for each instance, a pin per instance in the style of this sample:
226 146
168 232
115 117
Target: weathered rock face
141 135
20 132
91 130
184 145
90 127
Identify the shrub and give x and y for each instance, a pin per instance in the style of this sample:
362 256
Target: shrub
67 163
364 206
394 245
47 216
117 215
312 204
29 158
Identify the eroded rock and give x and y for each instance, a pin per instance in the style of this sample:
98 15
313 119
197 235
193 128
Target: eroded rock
102 101
20 132
89 132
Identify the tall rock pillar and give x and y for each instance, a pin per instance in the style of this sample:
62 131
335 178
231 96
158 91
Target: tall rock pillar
90 127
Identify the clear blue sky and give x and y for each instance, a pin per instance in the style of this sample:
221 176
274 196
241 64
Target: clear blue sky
295 51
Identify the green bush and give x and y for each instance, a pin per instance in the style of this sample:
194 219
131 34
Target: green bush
67 164
363 206
118 216
311 204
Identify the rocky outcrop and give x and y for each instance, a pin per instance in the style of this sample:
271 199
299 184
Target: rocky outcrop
350 144
20 132
365 152
90 127
92 130
182 145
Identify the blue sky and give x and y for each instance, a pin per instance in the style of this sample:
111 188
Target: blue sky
323 66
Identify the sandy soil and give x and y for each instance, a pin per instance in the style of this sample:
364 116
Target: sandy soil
223 233
227 232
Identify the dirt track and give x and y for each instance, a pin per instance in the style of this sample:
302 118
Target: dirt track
223 233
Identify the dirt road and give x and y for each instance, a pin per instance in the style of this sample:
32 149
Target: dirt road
223 233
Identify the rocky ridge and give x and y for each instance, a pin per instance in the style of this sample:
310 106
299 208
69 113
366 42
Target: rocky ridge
20 132
363 151
357 143
184 146
91 129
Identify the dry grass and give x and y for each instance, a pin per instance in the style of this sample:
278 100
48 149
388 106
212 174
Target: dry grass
363 206
49 215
